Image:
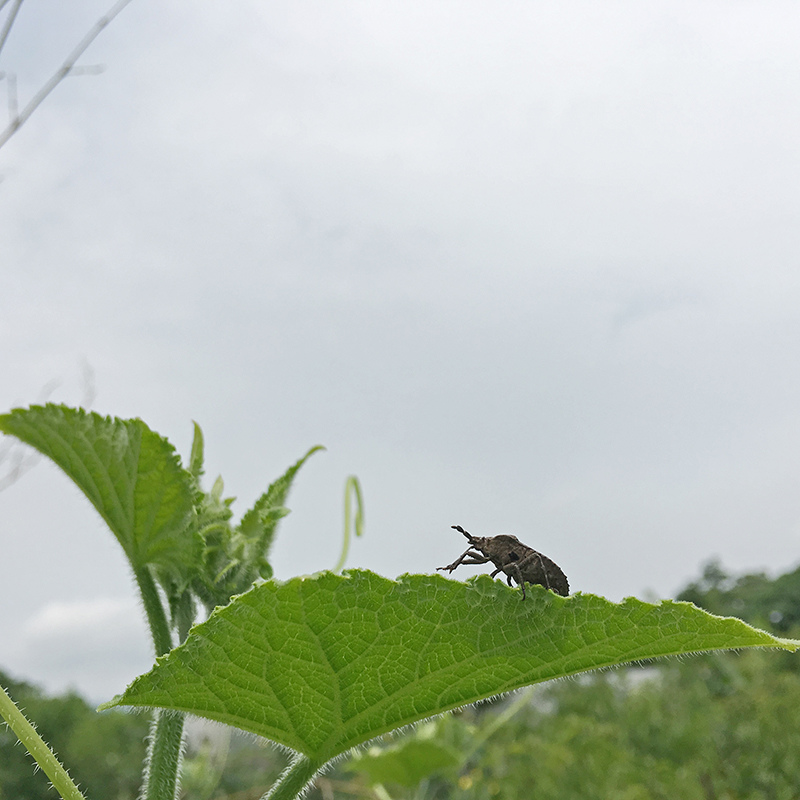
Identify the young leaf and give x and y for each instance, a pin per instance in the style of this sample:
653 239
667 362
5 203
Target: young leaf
131 475
326 663
259 523
233 558
196 456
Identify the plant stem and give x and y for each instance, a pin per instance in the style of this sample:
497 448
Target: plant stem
154 609
36 746
163 757
166 735
294 779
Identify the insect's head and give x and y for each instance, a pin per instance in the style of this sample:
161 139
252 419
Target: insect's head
488 544
470 538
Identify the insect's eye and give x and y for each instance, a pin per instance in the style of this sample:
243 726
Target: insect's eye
512 556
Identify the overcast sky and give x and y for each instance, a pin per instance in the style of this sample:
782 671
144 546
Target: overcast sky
523 267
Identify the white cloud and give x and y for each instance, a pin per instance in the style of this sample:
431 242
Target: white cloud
79 618
96 646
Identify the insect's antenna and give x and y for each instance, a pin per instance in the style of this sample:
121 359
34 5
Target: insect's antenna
461 530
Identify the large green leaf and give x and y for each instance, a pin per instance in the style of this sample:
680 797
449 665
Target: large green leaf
131 475
324 663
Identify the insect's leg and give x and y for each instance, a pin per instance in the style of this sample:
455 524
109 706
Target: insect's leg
535 556
520 579
499 570
469 556
459 560
517 575
544 572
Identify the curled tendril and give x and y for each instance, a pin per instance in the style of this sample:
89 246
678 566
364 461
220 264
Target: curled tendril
354 522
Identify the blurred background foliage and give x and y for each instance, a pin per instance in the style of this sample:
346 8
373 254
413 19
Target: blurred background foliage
711 727
103 752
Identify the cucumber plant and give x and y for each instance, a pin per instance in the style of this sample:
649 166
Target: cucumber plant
318 664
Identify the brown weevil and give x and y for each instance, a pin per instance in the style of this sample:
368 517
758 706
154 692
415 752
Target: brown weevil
514 559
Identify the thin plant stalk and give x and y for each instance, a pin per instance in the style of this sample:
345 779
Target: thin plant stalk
294 780
162 765
36 746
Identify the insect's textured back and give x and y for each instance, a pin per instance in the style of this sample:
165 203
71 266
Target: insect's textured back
546 572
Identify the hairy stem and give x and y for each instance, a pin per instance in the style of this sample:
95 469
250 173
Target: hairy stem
166 735
296 777
36 746
163 757
154 609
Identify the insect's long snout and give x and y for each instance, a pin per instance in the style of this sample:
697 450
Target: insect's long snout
469 536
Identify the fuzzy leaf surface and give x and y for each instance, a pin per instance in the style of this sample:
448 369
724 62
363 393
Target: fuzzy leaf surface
131 475
322 664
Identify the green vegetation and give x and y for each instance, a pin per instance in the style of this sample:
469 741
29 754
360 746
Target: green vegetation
712 726
718 725
328 663
104 751
424 645
773 604
177 538
721 727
